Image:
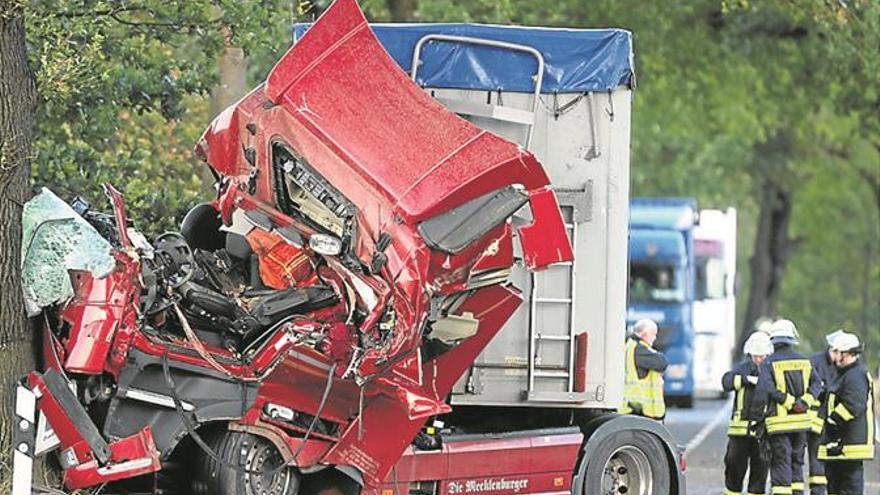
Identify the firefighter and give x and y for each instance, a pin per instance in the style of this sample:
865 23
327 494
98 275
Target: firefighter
789 384
826 370
643 386
763 325
848 439
743 443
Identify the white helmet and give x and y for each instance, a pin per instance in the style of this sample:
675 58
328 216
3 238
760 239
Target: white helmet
763 325
758 344
783 332
847 342
831 337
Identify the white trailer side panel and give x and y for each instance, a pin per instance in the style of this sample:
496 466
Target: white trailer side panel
715 305
583 142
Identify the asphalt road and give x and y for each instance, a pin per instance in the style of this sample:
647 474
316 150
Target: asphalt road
703 430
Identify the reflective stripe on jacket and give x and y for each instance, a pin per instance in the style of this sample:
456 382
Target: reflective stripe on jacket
645 392
849 428
827 373
747 405
785 378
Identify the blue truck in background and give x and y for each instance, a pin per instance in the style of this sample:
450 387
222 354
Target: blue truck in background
662 284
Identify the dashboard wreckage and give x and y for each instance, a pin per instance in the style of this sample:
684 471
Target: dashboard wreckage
297 332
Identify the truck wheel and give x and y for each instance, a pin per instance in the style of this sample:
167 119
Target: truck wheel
630 462
329 482
686 402
249 467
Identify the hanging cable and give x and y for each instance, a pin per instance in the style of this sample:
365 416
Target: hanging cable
327 387
191 429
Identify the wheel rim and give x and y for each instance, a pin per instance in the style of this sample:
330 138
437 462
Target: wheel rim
627 471
262 476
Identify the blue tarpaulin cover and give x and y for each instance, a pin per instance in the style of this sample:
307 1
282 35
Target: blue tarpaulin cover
576 60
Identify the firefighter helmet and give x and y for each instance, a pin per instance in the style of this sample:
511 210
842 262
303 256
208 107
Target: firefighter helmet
758 344
783 332
847 342
763 324
831 337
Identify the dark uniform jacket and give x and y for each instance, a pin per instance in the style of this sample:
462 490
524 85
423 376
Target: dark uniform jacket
826 370
849 427
648 359
748 405
790 384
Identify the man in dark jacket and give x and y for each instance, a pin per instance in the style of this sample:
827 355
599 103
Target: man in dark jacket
743 445
848 439
643 377
826 370
790 384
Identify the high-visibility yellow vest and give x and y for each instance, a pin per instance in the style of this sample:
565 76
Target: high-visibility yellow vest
647 391
781 420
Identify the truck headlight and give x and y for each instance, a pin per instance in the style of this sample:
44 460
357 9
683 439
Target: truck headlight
677 371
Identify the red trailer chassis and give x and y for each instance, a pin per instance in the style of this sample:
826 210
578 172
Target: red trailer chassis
527 462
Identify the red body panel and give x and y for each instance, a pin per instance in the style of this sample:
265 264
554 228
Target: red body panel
338 102
342 86
131 456
101 308
540 464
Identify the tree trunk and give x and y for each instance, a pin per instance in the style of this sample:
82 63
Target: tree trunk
231 86
17 98
233 79
401 10
772 249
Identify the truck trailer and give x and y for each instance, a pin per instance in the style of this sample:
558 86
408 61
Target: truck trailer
412 281
683 275
715 298
662 276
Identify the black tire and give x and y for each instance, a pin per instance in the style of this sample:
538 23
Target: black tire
680 401
632 462
686 402
243 457
330 482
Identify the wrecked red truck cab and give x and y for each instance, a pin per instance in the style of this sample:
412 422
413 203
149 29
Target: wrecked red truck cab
316 312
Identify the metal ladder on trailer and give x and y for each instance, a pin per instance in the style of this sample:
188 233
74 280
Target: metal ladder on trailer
527 118
537 302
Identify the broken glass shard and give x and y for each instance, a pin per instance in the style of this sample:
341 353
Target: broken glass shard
55 239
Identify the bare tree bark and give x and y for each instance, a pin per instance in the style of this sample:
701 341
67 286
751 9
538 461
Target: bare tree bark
231 85
772 249
232 68
17 104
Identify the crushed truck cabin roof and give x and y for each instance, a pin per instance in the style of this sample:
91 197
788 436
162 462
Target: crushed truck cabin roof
357 119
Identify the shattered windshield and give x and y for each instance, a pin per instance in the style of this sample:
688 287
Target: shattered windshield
56 239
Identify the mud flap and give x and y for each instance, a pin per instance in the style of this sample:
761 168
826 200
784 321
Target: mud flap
24 441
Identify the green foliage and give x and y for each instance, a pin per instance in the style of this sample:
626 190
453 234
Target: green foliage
124 89
731 94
